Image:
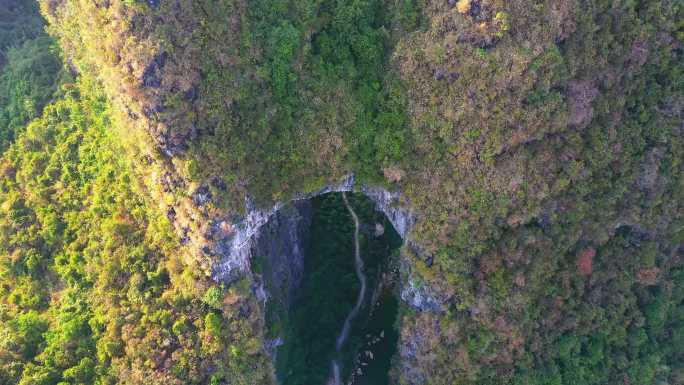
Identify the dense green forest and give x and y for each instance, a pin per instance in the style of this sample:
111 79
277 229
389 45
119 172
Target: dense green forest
92 288
539 145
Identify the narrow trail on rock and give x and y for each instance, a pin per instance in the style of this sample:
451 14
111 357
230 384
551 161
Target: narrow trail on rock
358 264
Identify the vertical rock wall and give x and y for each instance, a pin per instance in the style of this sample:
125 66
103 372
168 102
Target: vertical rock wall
279 247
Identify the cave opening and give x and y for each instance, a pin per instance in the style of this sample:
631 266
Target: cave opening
306 258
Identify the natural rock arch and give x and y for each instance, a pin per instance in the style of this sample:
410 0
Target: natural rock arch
236 250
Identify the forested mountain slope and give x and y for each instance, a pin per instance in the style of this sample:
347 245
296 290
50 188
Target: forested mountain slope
92 288
538 143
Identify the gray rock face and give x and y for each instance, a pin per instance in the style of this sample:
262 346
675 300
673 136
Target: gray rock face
389 203
278 249
420 297
279 246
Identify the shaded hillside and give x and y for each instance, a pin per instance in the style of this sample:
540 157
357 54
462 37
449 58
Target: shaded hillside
30 67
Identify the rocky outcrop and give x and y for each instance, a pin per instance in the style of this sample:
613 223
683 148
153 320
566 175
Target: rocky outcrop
581 95
279 245
388 202
235 250
420 297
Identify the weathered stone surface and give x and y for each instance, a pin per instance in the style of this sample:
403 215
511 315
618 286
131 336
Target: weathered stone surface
420 297
280 246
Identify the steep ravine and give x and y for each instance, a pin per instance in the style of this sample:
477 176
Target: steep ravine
268 247
328 280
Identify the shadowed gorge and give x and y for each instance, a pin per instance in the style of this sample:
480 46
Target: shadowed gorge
309 325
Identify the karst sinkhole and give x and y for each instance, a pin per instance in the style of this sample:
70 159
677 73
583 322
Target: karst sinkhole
305 259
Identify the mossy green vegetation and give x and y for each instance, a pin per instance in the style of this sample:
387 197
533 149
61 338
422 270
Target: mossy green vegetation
319 64
29 80
329 290
378 348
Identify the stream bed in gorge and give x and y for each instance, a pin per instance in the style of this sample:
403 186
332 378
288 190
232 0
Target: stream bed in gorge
311 321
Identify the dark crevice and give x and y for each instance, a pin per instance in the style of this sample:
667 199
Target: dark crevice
305 260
